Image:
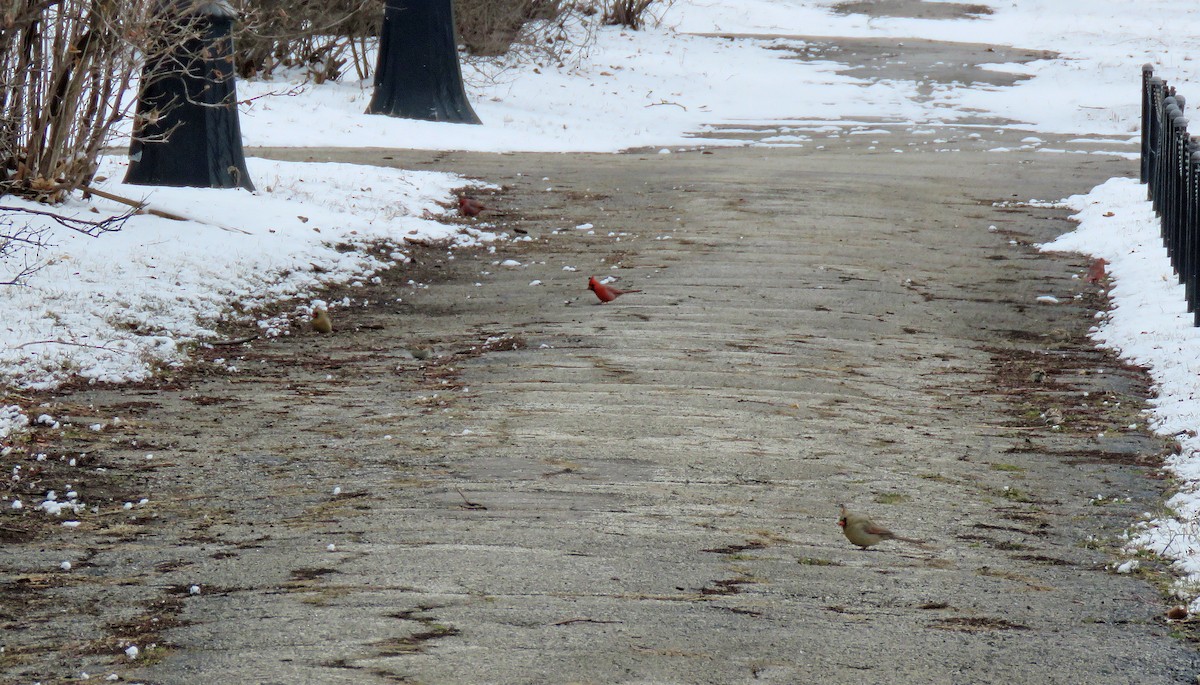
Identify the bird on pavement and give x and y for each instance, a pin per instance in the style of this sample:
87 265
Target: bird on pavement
606 293
321 323
469 206
421 352
864 532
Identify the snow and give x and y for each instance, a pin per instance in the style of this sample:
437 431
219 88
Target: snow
117 307
108 309
1082 84
1150 326
1128 566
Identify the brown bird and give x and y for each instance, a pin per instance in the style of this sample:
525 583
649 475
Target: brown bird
606 293
1096 272
469 206
864 532
321 322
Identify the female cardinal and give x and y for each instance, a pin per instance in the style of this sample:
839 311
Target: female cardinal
864 532
321 322
604 292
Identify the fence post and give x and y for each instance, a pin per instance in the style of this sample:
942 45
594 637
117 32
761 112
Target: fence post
1162 153
1187 217
1191 215
1147 110
1178 171
1192 283
1178 204
1153 124
1162 160
1174 185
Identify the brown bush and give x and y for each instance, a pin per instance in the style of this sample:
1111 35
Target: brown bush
322 36
67 69
489 27
329 37
629 13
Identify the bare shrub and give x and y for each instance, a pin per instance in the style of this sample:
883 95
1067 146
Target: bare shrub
328 38
559 41
630 13
488 28
322 36
20 251
540 31
66 69
23 239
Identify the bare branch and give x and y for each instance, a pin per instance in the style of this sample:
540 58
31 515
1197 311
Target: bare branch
85 226
66 71
72 344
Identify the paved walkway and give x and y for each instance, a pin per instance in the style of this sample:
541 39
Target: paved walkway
645 491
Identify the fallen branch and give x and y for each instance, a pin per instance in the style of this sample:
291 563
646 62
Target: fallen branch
139 206
582 620
468 504
143 207
660 103
84 226
67 342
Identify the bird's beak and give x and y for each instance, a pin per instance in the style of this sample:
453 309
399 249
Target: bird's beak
842 522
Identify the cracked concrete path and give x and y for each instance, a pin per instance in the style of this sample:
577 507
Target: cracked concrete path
644 491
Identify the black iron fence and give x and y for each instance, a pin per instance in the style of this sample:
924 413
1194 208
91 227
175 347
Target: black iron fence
1171 172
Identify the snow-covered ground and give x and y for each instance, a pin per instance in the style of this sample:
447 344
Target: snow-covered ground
111 308
1150 326
657 86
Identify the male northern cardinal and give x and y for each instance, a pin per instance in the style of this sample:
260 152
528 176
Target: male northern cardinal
604 292
470 207
321 322
864 532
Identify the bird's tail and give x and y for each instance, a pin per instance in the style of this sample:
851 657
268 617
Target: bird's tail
913 541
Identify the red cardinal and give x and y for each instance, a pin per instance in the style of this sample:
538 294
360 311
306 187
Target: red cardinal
469 207
604 292
1095 272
